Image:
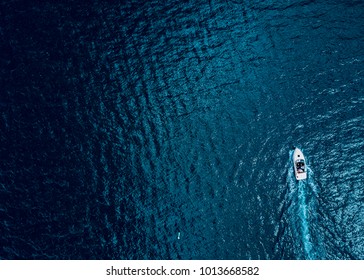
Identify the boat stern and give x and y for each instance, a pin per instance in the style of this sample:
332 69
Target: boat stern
301 176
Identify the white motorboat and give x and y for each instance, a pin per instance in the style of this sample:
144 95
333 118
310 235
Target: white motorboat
299 165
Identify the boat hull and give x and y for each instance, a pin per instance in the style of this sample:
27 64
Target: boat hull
299 165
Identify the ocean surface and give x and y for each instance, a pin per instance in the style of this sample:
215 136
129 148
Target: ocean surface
164 129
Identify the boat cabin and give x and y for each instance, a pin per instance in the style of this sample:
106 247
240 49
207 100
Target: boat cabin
300 165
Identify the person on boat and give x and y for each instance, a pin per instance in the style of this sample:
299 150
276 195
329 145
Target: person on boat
300 167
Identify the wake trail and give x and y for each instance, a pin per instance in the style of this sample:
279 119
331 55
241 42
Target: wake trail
303 210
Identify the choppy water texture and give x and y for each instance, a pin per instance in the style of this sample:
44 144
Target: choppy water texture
163 129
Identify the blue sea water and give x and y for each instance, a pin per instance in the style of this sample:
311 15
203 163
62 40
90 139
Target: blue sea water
164 129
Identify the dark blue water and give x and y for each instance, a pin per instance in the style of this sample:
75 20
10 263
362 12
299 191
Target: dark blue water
163 129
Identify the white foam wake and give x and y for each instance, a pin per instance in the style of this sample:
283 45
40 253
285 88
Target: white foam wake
303 213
